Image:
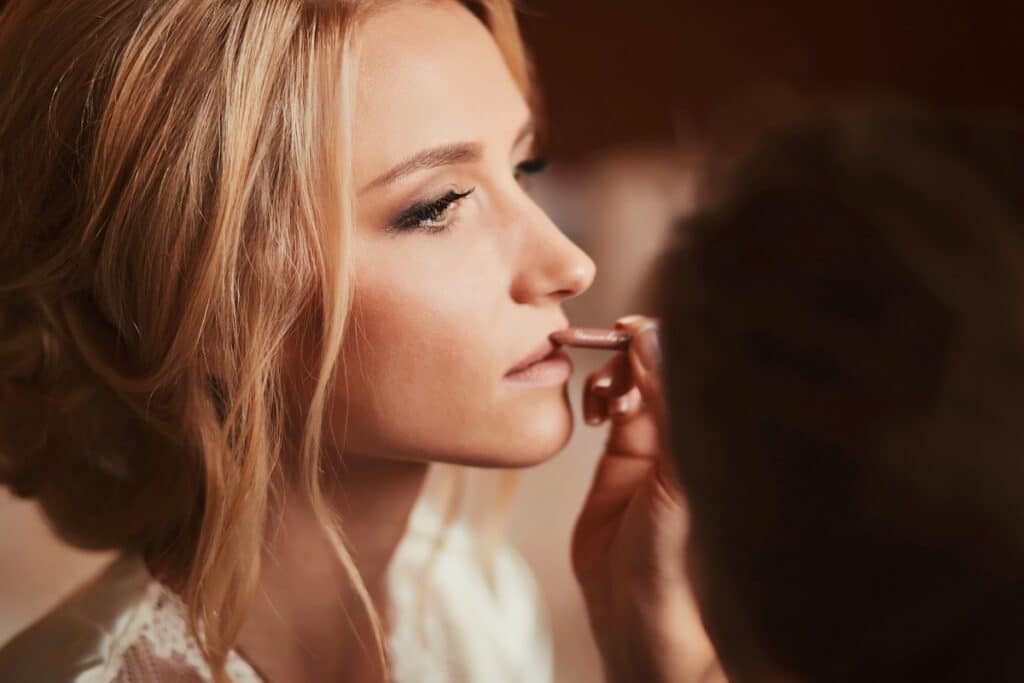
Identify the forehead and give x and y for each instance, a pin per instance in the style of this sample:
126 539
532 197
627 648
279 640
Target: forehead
430 74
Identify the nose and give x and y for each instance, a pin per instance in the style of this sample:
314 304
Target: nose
551 267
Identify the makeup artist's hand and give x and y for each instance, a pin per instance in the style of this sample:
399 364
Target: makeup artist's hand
629 541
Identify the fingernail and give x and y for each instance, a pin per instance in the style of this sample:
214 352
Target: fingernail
650 348
629 320
604 382
620 406
592 404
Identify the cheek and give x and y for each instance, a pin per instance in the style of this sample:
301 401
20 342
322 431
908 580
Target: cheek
423 366
414 342
416 356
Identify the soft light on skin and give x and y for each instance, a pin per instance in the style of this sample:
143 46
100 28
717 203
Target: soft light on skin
439 318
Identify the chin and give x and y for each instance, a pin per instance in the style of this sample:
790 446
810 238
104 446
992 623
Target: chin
538 433
522 434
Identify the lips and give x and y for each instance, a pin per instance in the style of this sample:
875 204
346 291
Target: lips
542 352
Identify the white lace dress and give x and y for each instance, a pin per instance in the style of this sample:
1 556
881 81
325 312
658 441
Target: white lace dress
125 627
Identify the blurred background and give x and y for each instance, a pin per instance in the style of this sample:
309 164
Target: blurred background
631 90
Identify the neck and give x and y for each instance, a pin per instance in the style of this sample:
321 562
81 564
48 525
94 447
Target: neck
307 622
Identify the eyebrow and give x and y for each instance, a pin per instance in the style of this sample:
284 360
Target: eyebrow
445 155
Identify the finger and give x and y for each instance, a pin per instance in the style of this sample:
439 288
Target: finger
640 437
646 369
636 323
595 408
616 378
616 480
621 408
645 360
636 436
667 478
616 483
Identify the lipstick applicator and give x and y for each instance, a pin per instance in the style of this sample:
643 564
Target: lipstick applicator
592 338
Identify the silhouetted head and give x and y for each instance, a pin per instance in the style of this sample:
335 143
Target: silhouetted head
844 331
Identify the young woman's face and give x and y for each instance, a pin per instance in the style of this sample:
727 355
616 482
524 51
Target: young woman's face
459 275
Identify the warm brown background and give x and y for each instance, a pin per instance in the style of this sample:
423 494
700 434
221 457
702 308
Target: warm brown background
617 71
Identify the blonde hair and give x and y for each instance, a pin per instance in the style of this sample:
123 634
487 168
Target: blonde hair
175 197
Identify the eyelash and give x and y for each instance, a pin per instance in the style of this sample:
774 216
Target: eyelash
430 217
532 167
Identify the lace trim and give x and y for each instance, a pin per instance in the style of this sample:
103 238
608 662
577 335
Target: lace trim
160 619
169 637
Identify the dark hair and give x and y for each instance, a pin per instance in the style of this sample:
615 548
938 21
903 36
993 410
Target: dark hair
844 333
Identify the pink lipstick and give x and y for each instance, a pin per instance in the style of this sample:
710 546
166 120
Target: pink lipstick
592 338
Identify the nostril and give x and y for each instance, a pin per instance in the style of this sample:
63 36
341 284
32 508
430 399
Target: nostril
566 293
